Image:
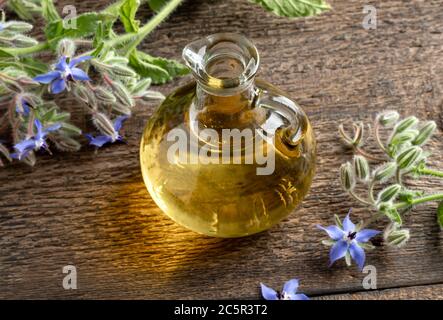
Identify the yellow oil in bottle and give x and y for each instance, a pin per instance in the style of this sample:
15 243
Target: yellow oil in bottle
226 197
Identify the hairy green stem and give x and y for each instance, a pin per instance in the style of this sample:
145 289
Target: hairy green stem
371 191
432 197
378 139
27 50
359 199
430 172
398 175
367 155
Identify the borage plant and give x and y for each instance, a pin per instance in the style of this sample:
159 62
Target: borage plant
403 157
108 75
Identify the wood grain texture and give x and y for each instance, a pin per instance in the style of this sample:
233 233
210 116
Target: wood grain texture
93 211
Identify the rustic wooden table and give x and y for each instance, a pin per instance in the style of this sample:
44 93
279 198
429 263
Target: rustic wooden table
93 211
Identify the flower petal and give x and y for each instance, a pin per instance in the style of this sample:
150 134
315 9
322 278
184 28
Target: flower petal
61 64
77 60
299 296
358 254
79 75
365 234
334 232
38 125
98 141
268 293
338 251
290 287
119 122
348 226
54 127
58 86
48 77
25 145
20 156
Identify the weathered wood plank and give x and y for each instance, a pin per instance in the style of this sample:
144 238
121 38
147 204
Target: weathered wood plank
92 210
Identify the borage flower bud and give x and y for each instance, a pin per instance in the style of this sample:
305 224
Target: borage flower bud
385 172
104 95
397 237
122 71
389 193
121 108
66 47
405 124
17 26
408 157
151 95
388 118
403 137
141 86
66 144
122 94
86 95
425 133
361 168
347 178
103 124
23 41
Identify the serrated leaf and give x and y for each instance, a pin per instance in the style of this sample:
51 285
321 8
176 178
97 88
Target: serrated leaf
440 214
49 12
156 5
87 24
160 70
294 8
127 15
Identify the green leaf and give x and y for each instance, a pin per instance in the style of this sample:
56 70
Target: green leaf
294 8
87 24
440 214
156 5
127 15
49 12
160 70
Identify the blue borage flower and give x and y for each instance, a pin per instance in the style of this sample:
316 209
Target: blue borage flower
289 292
101 140
36 142
63 73
348 239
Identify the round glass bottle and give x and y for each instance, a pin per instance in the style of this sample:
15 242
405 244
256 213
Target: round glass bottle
227 155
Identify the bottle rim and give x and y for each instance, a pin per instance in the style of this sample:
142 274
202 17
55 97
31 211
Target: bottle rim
225 51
